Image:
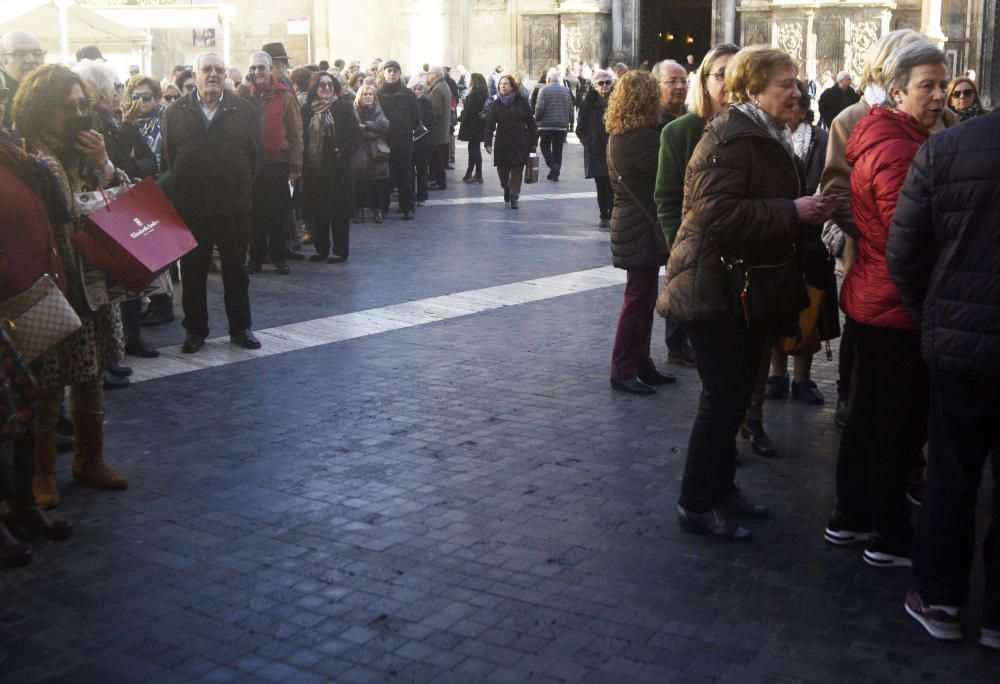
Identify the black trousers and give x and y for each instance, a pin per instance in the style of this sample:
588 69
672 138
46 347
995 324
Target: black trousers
439 160
551 145
845 362
964 429
131 308
421 166
270 214
230 234
887 424
728 355
401 171
323 226
17 466
605 196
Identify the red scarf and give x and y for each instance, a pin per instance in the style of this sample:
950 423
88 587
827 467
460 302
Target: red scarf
274 112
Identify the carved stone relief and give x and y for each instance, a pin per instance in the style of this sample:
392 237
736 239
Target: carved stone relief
489 5
829 44
756 29
541 42
790 39
584 37
864 32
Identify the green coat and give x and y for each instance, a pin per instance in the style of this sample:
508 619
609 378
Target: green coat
677 142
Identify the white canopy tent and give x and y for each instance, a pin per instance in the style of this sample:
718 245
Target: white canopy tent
62 27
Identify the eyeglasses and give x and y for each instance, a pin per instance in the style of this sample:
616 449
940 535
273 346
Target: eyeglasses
603 83
719 75
962 93
21 54
81 105
171 98
145 97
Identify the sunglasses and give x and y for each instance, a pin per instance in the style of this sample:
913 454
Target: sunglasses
145 97
323 85
171 98
603 83
962 93
81 105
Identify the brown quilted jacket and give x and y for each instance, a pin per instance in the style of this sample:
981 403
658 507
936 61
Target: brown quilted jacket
739 189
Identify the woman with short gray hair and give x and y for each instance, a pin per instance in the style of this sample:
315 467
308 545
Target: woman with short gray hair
887 423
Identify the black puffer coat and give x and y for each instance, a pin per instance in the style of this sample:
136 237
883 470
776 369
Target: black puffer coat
635 156
401 108
593 136
516 132
944 248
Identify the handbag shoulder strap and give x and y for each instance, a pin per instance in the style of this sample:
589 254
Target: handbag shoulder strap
649 217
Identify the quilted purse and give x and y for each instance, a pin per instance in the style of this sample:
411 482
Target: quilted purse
39 318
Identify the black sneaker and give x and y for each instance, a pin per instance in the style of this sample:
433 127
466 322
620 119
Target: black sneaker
941 622
880 553
842 530
712 523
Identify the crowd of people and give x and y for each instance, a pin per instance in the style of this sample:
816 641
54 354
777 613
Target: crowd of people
717 172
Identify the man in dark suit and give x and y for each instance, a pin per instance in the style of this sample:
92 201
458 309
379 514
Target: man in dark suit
836 99
212 144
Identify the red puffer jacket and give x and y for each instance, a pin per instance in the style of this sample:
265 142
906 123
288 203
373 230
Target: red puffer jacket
880 150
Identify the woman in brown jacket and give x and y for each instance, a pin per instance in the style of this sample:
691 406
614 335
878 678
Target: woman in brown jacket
742 200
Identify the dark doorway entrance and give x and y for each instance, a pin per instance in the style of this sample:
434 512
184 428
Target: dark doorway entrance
674 29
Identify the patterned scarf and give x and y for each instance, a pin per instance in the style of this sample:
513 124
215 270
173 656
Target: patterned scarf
37 175
274 114
321 127
764 120
801 139
508 98
971 112
150 127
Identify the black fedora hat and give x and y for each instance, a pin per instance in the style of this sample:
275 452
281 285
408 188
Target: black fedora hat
276 50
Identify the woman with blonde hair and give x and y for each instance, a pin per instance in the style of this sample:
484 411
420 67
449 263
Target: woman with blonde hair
637 243
963 98
743 207
370 164
677 143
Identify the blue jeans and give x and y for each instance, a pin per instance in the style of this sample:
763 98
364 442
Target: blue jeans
675 337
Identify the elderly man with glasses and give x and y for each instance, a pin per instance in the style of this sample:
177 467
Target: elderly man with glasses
20 53
213 145
673 90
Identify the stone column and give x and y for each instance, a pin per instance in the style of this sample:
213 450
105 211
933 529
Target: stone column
930 21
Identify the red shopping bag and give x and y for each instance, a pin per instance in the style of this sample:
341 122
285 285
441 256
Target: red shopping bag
136 237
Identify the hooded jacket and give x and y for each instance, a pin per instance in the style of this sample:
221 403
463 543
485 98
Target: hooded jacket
880 151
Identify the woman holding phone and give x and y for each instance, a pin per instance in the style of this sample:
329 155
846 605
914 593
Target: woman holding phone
53 113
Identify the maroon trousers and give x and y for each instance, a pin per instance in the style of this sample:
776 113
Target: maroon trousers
635 325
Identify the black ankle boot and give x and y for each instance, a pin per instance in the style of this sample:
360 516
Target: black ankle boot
35 521
13 554
469 176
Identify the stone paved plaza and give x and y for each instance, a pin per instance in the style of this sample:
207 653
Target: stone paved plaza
455 501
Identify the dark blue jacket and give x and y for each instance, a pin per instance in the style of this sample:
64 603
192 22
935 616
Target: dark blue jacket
944 248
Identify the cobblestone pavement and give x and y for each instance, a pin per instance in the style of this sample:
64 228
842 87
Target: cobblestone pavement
461 501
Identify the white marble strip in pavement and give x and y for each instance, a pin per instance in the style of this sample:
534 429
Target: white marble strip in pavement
294 336
492 199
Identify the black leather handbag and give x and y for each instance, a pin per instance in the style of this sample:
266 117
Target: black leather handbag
767 293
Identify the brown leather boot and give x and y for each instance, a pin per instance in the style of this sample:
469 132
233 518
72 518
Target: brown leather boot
88 465
43 484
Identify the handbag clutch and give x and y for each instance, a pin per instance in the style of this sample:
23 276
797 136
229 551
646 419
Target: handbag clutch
39 318
531 169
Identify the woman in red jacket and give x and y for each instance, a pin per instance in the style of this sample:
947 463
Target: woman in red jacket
888 415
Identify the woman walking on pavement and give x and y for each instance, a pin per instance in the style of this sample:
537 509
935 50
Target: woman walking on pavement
594 138
512 124
637 243
472 128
